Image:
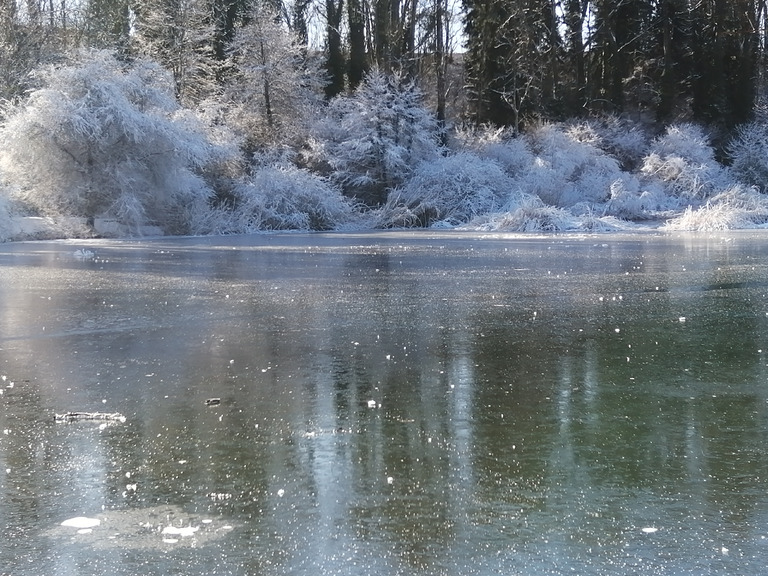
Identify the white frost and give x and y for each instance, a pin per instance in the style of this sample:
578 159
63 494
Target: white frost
183 532
81 522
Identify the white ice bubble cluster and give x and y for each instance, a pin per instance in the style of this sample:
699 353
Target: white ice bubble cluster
81 522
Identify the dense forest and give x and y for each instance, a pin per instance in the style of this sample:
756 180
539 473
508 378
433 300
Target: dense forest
226 116
556 58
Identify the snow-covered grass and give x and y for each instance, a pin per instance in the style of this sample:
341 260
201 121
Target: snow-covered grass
737 207
529 214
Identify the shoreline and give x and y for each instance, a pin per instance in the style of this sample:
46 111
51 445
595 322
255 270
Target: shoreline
403 234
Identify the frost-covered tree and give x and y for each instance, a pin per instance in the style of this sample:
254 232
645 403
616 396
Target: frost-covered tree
374 138
104 138
278 86
31 32
106 23
749 154
178 34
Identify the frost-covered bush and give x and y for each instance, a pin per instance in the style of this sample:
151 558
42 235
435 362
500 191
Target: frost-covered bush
569 168
105 138
734 208
626 200
622 139
749 155
373 139
688 141
471 137
448 191
499 144
526 214
630 201
280 196
684 163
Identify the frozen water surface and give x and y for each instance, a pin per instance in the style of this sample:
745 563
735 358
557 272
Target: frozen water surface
388 404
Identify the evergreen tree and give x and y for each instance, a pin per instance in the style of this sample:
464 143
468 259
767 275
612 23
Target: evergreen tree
725 59
575 12
510 51
672 36
483 18
617 47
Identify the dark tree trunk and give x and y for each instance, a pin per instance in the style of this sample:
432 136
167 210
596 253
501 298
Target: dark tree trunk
357 58
334 63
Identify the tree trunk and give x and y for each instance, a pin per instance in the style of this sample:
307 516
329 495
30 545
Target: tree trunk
265 76
335 58
440 60
667 89
357 57
381 33
574 20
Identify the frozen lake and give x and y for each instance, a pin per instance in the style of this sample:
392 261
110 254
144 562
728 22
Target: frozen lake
390 404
